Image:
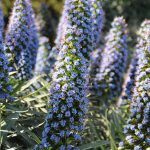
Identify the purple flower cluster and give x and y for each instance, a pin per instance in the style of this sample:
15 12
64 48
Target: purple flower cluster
107 83
34 43
60 36
46 23
19 39
130 82
42 55
1 18
68 102
5 87
46 55
95 62
137 130
97 19
50 61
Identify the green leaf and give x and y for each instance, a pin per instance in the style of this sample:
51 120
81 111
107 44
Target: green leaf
96 144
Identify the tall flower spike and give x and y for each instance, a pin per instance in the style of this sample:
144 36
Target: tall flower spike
46 23
5 87
108 79
95 62
129 83
45 26
50 61
18 38
61 29
60 37
34 43
68 101
1 17
137 130
97 19
42 56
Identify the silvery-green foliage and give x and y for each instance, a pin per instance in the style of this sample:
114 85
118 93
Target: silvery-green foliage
68 102
137 129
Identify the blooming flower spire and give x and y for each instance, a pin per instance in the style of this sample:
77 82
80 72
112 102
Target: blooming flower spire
46 23
1 17
68 101
137 130
5 87
45 26
97 19
129 83
19 39
42 56
34 43
61 29
107 83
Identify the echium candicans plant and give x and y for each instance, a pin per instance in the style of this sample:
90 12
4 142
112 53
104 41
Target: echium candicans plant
45 23
68 102
46 33
137 130
60 35
107 83
1 17
95 62
5 87
97 19
42 56
129 85
34 42
96 59
18 38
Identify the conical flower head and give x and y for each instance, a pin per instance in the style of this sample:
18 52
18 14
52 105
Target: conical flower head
97 19
46 33
61 29
137 130
19 39
42 56
95 62
1 17
17 36
82 32
129 82
68 102
109 76
46 23
34 43
5 87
